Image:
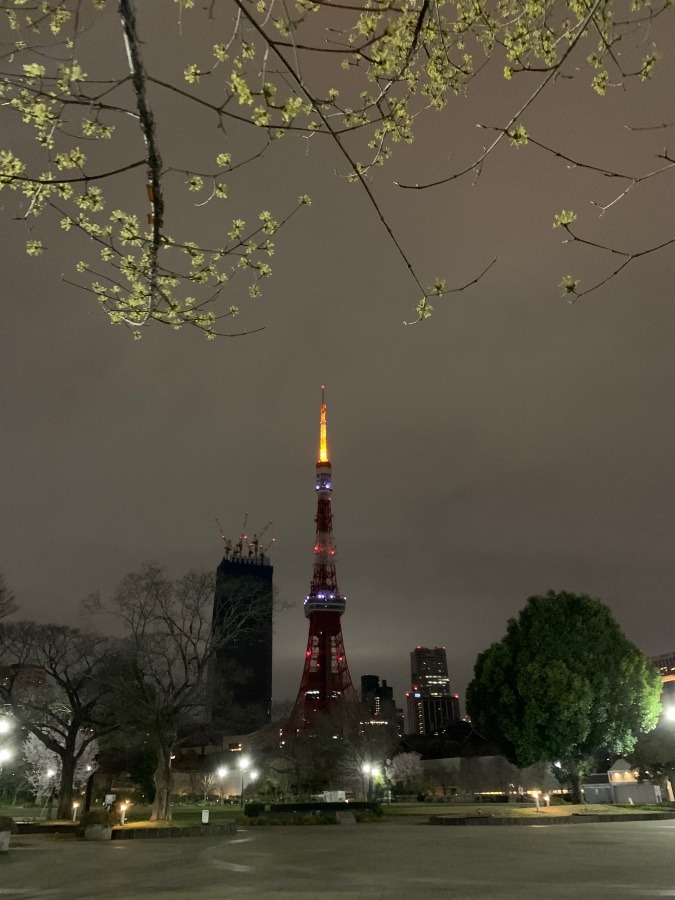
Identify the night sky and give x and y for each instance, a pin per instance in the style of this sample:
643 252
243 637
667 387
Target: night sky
511 444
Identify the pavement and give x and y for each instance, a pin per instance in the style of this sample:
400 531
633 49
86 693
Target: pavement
382 861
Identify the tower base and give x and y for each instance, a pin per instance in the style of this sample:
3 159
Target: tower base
326 687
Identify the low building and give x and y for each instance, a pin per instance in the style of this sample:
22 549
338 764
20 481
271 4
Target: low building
486 777
620 785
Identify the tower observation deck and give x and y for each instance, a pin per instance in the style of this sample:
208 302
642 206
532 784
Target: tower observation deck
326 685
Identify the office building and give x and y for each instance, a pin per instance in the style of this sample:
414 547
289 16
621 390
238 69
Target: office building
431 705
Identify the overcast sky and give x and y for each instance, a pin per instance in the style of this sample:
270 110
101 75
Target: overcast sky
511 444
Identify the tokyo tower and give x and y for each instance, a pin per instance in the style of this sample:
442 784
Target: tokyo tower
326 685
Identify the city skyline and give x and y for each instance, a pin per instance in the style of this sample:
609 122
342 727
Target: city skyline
511 444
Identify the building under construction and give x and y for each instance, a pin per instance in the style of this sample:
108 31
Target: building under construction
241 684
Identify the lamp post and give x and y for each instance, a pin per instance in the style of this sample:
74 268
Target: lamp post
6 725
221 773
75 806
5 755
371 772
51 775
253 777
244 764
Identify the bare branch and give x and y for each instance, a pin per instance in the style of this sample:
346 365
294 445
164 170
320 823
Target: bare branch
8 604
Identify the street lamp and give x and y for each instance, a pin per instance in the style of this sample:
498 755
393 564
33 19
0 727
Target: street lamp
371 772
5 755
6 725
221 773
253 776
51 775
244 764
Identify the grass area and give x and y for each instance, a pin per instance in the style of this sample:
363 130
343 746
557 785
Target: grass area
186 814
183 814
23 812
513 810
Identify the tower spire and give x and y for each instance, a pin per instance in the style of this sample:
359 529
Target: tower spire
326 683
323 441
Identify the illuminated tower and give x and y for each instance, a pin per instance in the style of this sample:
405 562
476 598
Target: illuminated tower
326 685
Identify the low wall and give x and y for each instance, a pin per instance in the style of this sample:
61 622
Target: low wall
574 819
304 809
179 831
123 833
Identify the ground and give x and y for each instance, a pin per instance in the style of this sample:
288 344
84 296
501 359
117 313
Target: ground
191 813
399 859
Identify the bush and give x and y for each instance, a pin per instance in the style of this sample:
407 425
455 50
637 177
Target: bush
368 815
105 817
7 823
291 820
254 809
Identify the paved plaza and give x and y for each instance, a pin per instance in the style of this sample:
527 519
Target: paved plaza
389 861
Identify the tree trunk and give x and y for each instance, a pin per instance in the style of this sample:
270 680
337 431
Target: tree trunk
66 787
161 807
575 779
90 790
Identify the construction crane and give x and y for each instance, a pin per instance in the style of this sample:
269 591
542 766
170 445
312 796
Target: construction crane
227 543
255 549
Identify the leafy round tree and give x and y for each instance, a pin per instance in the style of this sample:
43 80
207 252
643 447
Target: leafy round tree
654 754
562 683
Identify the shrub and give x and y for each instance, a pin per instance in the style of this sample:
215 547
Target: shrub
291 820
368 815
254 809
105 817
7 823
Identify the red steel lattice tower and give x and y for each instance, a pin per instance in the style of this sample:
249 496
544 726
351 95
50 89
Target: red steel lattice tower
326 685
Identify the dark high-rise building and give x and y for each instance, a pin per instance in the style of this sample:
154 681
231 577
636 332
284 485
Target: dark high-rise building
429 671
242 686
378 699
431 706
